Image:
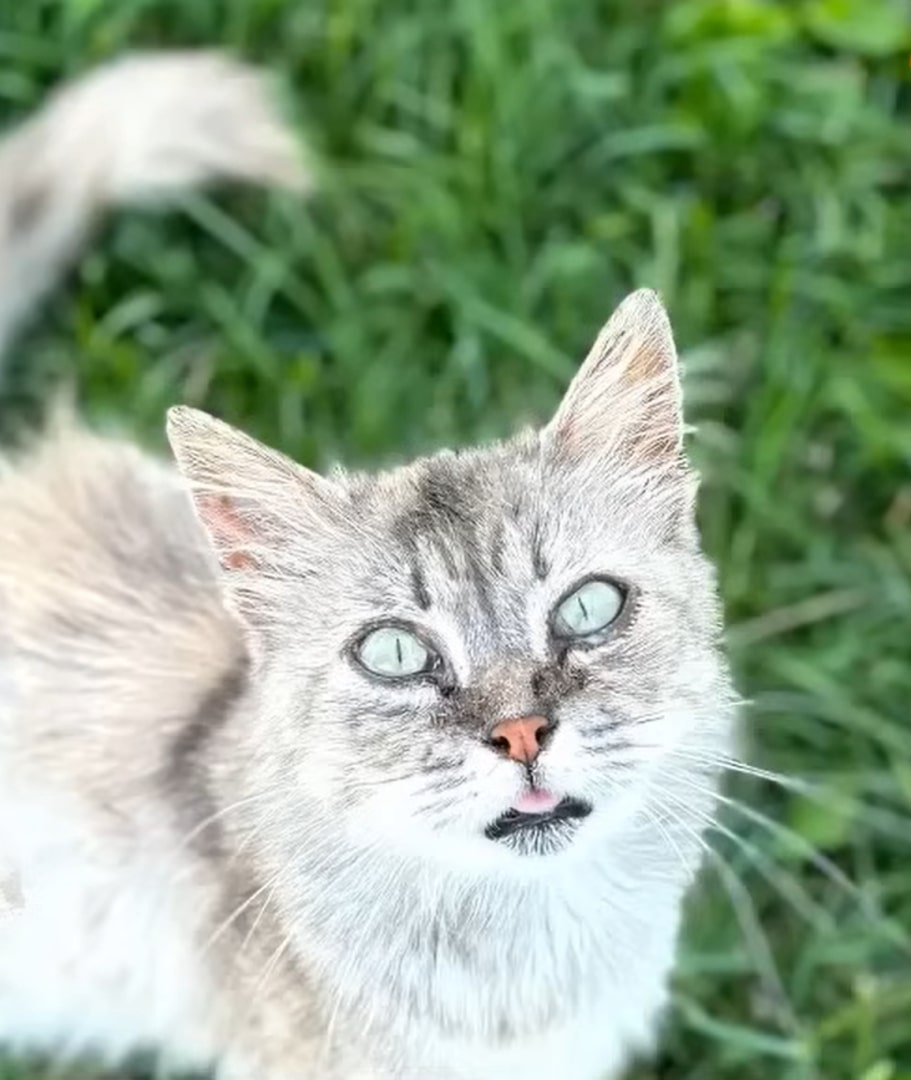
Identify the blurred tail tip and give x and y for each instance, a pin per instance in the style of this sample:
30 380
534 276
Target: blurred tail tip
139 129
171 120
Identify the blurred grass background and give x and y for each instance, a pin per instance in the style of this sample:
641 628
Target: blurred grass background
495 178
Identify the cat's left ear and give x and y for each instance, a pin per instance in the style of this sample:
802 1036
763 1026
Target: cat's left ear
259 509
626 402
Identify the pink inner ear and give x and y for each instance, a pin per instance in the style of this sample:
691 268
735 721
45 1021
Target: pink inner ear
228 531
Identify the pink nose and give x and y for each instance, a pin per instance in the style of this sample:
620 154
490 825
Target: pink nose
521 738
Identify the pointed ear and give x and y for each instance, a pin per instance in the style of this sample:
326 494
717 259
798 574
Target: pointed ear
625 401
253 503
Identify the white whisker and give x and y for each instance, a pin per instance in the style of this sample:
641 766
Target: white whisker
745 912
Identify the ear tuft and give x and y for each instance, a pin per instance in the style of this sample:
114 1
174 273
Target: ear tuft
626 399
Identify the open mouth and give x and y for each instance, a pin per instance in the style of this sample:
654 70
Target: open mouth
516 821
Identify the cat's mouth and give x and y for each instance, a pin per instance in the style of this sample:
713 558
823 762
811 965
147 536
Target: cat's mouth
538 823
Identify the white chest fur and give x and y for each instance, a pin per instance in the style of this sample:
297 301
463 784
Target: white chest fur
98 958
566 979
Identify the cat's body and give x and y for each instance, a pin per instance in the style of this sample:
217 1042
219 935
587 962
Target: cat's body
240 844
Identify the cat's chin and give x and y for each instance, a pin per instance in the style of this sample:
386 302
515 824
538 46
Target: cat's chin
539 831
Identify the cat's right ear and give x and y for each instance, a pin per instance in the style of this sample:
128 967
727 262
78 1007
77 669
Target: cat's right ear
256 506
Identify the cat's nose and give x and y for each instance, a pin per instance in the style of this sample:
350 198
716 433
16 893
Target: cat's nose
521 738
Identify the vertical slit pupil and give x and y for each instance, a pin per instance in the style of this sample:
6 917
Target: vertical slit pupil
398 649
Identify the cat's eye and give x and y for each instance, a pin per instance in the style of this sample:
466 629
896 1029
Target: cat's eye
394 653
589 610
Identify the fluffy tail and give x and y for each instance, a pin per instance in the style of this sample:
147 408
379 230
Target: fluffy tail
133 131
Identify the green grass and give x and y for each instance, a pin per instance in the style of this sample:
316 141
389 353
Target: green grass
496 176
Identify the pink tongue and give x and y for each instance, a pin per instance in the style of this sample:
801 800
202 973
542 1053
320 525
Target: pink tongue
535 802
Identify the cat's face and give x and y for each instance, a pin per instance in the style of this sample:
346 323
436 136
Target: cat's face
491 655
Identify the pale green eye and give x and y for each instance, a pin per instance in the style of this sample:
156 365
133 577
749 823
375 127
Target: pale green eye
589 610
394 653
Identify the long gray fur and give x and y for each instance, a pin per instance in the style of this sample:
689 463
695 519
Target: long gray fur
235 844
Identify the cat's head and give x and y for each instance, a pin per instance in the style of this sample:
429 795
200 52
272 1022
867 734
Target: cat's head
489 655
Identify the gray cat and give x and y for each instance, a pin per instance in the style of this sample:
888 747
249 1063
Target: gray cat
343 777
